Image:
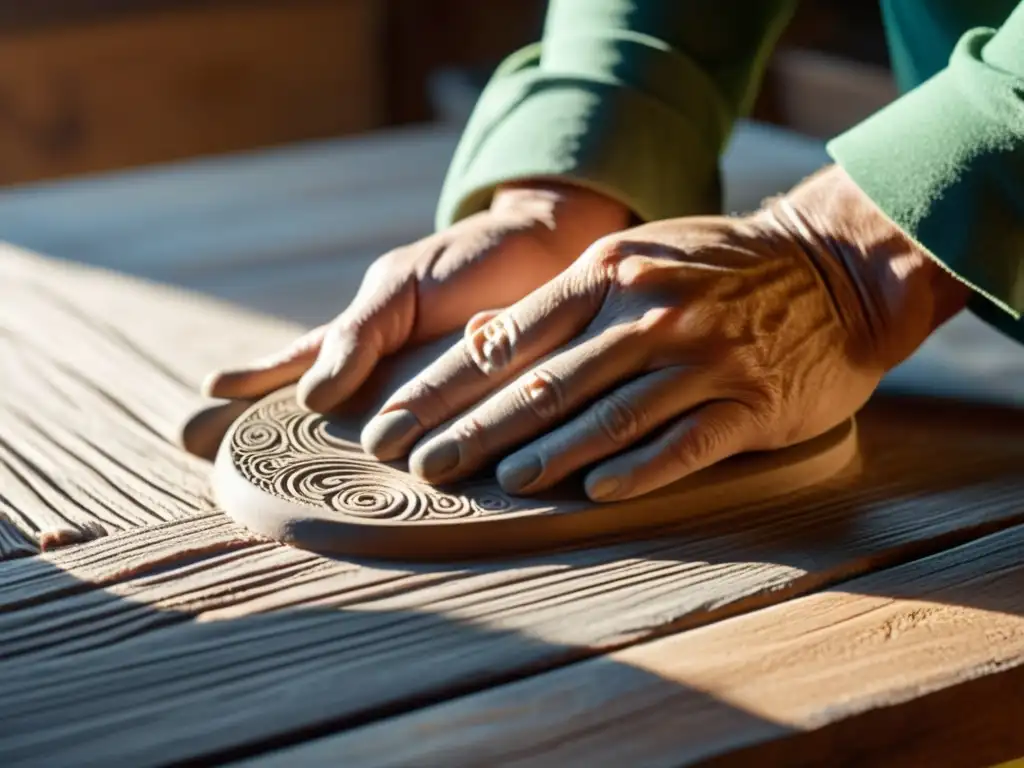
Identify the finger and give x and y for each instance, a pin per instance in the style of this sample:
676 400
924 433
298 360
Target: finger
202 433
710 434
377 323
606 427
481 362
347 357
268 373
534 403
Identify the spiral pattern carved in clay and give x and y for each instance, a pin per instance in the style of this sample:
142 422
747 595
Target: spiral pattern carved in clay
295 455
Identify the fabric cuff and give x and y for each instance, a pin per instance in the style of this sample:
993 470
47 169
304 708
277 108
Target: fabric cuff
945 162
614 139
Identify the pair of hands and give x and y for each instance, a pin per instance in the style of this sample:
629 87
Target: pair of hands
643 354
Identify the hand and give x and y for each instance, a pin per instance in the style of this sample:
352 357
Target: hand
432 287
669 347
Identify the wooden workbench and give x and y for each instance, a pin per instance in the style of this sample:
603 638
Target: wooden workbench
878 620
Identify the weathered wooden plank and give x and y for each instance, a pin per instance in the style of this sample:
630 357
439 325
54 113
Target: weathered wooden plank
115 559
13 542
848 676
236 646
96 394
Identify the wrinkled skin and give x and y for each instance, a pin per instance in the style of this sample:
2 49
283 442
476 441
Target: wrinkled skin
669 347
430 288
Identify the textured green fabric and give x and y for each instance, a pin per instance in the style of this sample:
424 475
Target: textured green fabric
636 98
946 160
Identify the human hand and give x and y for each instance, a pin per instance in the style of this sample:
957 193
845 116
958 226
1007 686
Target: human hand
669 347
531 231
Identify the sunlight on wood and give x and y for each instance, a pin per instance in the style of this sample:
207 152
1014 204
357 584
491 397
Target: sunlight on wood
834 654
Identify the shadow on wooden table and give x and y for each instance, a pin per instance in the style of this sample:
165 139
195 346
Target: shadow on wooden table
96 677
914 596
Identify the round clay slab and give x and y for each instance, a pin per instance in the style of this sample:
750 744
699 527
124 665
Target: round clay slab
302 478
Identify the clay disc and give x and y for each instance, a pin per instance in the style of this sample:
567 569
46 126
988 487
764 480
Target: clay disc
303 479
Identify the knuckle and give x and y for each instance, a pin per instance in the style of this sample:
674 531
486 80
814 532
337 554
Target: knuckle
661 319
339 330
542 393
759 388
617 419
386 263
764 398
470 434
426 401
349 330
699 443
492 345
767 411
639 271
605 255
302 346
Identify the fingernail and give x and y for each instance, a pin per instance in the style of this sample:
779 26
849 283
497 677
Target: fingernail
436 460
603 488
519 471
388 435
311 392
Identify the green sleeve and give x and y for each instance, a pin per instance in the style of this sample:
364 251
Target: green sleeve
946 163
633 98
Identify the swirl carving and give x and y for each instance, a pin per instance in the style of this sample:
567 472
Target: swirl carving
305 458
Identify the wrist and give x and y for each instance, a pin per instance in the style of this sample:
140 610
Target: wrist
873 268
579 214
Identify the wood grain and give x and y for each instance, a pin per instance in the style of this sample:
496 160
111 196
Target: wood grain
237 646
96 395
144 87
869 673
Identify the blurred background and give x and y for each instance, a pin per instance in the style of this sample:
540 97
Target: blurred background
101 85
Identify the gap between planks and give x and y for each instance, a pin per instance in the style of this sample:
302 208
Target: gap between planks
96 392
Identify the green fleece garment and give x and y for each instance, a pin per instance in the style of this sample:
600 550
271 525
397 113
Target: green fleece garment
637 98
